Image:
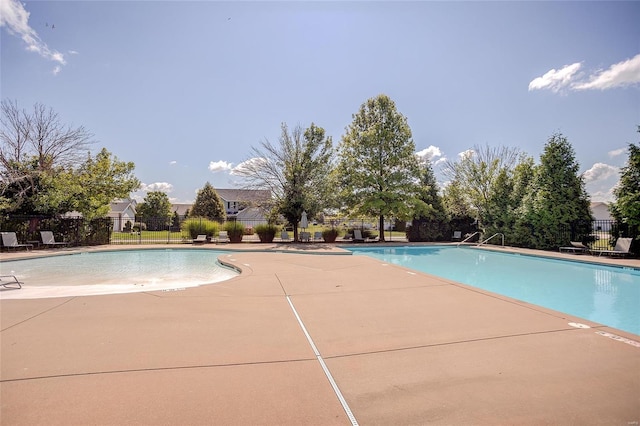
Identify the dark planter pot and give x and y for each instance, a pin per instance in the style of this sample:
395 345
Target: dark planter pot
329 237
235 238
266 237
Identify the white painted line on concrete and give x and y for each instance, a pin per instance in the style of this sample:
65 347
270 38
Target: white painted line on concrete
343 401
619 338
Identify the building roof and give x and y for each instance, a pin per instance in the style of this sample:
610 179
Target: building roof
119 206
245 195
181 208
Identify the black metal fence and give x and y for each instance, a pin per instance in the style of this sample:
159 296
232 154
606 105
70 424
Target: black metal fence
76 231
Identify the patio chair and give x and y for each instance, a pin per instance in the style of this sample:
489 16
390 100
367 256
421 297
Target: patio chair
10 284
49 240
576 247
10 241
357 236
457 236
285 236
305 236
622 248
317 236
200 239
223 237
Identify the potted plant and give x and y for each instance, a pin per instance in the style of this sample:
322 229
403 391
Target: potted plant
330 235
235 231
266 232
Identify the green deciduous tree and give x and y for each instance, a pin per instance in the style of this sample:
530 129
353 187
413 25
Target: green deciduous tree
97 182
35 146
208 204
155 210
626 207
44 167
557 198
481 174
295 171
378 172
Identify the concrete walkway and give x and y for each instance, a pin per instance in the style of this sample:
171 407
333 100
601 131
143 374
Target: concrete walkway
262 349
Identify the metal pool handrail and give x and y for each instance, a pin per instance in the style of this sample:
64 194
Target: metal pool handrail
468 238
494 235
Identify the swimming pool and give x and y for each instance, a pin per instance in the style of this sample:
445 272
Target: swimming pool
603 294
122 271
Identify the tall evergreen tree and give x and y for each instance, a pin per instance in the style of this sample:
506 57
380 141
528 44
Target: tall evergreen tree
208 204
430 224
378 172
558 200
627 205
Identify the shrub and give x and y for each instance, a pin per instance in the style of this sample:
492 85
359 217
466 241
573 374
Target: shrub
139 226
195 226
330 235
235 231
266 232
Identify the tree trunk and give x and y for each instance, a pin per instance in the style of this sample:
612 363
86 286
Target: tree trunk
381 228
295 231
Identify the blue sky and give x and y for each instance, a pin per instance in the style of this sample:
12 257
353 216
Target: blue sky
185 89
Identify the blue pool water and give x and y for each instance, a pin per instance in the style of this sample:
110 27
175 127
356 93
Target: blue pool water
119 271
603 294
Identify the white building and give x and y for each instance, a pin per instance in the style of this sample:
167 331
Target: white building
601 216
122 211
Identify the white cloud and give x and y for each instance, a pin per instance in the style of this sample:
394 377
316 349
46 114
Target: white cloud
248 165
429 154
220 166
600 171
156 186
555 80
605 195
466 154
174 162
600 181
617 152
623 73
15 18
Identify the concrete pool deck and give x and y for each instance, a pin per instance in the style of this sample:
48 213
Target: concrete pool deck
402 347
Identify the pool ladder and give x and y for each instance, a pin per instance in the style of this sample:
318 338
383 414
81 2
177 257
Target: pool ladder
477 233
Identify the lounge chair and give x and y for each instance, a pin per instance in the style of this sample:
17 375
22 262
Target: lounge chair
223 237
285 236
6 283
622 248
49 240
576 247
457 236
10 241
200 239
305 236
317 236
357 236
